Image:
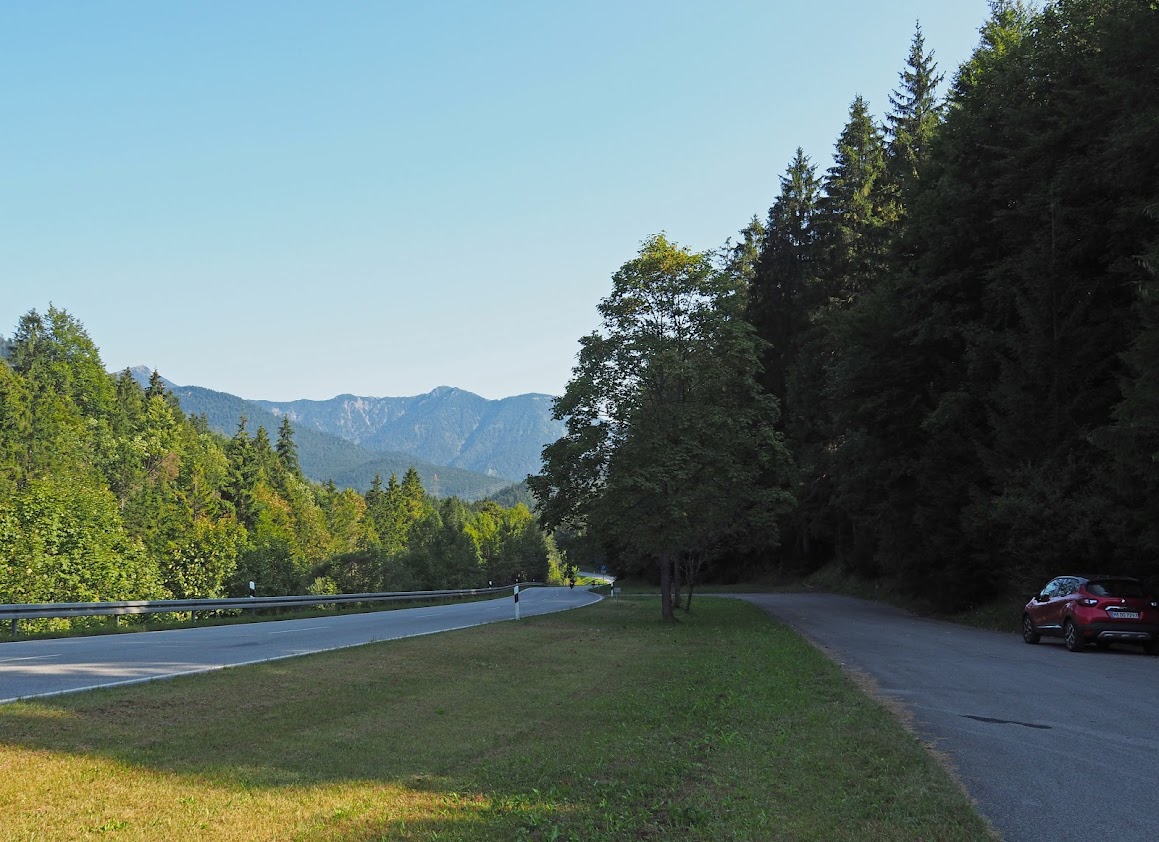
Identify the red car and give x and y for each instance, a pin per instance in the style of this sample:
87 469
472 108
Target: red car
1093 609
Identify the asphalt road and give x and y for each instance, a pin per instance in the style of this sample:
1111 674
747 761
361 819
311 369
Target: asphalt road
49 667
1053 745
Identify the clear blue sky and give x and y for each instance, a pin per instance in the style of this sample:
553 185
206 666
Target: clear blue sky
295 200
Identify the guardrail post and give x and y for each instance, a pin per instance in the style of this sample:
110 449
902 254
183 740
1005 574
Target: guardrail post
15 627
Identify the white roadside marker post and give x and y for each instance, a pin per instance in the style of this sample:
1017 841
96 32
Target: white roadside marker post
517 602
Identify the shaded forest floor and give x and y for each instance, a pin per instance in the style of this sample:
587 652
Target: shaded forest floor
1004 613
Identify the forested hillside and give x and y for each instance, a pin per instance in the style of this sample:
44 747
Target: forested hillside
109 491
951 351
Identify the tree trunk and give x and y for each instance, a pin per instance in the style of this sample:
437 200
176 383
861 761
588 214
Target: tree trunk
675 582
666 587
693 568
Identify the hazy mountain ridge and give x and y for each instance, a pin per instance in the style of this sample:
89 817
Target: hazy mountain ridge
459 442
447 426
324 456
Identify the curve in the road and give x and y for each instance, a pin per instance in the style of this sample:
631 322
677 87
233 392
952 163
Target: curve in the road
36 668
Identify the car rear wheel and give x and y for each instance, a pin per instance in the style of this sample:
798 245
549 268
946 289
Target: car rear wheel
1074 640
1151 647
1028 633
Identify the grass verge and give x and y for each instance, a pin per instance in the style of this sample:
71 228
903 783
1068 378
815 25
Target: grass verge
596 724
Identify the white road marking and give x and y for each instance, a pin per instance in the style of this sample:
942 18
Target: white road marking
28 658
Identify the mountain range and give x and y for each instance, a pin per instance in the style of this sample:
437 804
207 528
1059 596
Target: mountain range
460 443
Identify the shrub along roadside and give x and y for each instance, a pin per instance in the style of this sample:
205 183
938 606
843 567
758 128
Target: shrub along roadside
597 724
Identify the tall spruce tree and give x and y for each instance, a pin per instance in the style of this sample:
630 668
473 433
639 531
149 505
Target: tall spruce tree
904 465
244 474
156 387
264 455
869 391
914 118
287 449
854 211
785 288
739 260
851 222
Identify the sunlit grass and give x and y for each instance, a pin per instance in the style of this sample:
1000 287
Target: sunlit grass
596 724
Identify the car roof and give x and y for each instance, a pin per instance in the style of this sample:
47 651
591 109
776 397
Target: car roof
1105 577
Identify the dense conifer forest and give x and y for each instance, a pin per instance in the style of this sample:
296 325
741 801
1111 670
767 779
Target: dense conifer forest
934 364
108 491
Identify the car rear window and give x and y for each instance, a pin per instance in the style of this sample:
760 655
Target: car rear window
1115 587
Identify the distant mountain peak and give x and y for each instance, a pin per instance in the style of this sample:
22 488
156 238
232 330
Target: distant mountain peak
448 426
143 374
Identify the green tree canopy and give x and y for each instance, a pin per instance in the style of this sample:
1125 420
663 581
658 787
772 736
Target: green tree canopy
661 407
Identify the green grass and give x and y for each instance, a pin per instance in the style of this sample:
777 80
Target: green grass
595 724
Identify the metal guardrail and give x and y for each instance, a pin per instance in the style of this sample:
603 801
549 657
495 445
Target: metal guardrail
15 612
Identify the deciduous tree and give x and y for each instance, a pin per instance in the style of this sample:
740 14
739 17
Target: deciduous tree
660 400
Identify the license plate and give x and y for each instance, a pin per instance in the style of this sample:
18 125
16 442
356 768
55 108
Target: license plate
1124 615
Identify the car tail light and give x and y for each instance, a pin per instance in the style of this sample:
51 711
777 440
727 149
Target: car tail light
1089 601
1154 604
